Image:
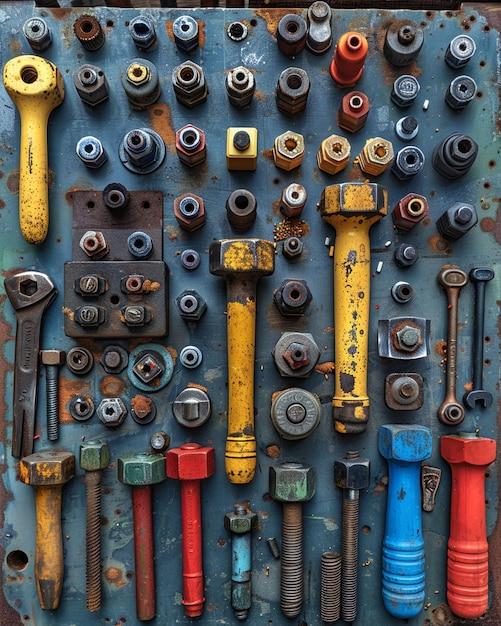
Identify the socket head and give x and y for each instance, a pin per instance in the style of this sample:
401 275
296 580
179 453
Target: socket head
51 467
141 469
467 448
94 456
405 442
292 482
351 472
190 462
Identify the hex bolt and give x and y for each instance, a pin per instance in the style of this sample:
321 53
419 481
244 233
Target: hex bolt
409 211
112 412
405 90
91 84
404 447
142 151
291 34
114 359
452 279
408 162
459 51
467 560
141 471
190 86
93 243
293 200
409 338
241 209
457 220
47 472
406 128
479 276
159 441
94 457
296 354
292 484
190 464
353 112
37 33
292 297
52 359
79 360
292 91
403 42
454 156
142 31
91 152
240 523
406 255
192 407
351 474
460 92
292 247
241 262
191 305
240 87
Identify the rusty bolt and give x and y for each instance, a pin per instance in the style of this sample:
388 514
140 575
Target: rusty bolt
292 297
409 338
94 244
334 154
288 150
409 211
353 111
292 247
292 90
189 211
297 355
188 81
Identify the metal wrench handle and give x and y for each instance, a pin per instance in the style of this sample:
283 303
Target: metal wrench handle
30 294
452 279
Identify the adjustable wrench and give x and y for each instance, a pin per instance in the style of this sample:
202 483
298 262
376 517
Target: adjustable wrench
30 294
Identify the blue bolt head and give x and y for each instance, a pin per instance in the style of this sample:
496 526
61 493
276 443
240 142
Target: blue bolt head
405 442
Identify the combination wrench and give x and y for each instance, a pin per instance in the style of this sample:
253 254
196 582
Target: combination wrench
452 279
30 294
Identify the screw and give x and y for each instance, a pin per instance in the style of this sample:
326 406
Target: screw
52 359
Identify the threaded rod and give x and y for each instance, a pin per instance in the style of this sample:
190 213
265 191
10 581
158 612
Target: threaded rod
291 577
330 592
93 540
350 554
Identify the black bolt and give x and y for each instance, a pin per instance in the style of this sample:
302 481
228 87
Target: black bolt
409 124
406 255
241 140
52 359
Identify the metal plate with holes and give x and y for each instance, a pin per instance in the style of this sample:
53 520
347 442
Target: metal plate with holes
73 187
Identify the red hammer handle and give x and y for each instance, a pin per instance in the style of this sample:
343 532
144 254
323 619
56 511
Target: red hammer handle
467 562
143 552
193 584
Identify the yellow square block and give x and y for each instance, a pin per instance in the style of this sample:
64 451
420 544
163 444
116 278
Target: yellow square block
237 158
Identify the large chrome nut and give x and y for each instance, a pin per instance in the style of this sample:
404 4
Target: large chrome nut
188 81
112 411
334 154
288 150
292 482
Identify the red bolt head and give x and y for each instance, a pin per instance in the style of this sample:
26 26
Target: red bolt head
472 450
190 462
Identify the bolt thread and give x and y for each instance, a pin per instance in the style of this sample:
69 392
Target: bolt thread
93 541
52 387
291 577
350 556
330 592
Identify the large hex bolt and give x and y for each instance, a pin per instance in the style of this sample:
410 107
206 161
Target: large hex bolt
47 472
190 464
403 577
292 484
141 470
52 359
241 523
241 262
292 90
351 474
352 208
467 556
94 457
91 84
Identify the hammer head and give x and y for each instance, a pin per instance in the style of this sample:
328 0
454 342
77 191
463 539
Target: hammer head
351 472
405 442
250 257
141 469
51 467
94 456
34 82
292 482
190 462
362 203
468 448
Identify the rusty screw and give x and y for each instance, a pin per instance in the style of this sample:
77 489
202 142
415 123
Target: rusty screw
52 359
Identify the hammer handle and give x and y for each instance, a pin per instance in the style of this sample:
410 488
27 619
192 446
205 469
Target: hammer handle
240 457
193 576
143 552
49 566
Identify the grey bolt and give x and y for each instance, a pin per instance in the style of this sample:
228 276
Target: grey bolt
52 359
409 338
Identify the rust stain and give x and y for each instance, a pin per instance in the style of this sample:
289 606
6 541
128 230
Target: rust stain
441 348
2 204
60 14
15 46
161 121
259 95
268 154
172 352
438 244
150 286
115 576
273 451
273 16
489 225
141 404
197 386
112 386
325 368
67 389
12 182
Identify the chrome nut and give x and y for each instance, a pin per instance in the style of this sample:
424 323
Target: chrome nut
240 86
376 156
112 412
189 211
190 145
188 81
334 154
353 111
91 84
292 91
94 244
288 150
91 152
142 31
185 30
293 199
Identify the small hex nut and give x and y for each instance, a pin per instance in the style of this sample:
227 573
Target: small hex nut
288 150
292 247
94 244
293 199
94 456
112 411
292 482
409 211
188 81
50 467
351 473
190 462
240 86
141 468
376 156
293 365
240 523
334 154
189 211
297 355
52 357
353 111
91 84
190 145
409 338
292 297
191 305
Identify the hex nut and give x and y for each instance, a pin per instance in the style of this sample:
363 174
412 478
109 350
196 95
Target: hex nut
114 359
190 462
376 156
94 244
353 111
409 338
91 84
112 412
189 211
334 154
293 199
292 297
142 32
406 255
191 305
457 220
296 354
241 209
188 81
91 152
49 467
94 455
240 521
186 33
292 247
240 86
291 34
288 150
142 151
292 482
190 145
351 472
409 211
293 87
141 469
141 83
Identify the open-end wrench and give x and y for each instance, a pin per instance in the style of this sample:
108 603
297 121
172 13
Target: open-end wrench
452 279
30 294
479 276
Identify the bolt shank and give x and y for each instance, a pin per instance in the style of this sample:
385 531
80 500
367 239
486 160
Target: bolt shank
143 552
93 540
292 579
193 583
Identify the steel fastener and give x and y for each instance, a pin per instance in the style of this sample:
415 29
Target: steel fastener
192 407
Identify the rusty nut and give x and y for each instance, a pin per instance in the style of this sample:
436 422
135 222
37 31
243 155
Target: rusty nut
112 412
409 211
292 297
189 211
296 354
288 150
292 247
292 482
94 244
240 86
353 111
334 154
188 81
293 199
292 90
190 145
376 156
